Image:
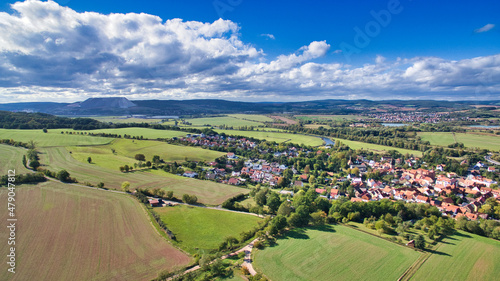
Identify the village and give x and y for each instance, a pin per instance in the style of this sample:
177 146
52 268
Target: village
453 195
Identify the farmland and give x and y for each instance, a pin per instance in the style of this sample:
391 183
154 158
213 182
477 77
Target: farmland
276 136
11 159
145 132
328 117
469 140
58 158
376 147
125 150
205 229
252 117
463 256
231 121
51 138
124 119
74 233
333 253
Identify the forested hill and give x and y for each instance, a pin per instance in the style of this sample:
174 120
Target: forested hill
22 120
112 106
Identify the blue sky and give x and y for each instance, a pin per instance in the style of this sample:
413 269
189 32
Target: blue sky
262 50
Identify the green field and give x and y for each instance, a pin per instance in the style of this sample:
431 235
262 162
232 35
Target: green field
328 117
11 159
463 256
231 121
52 138
276 136
125 150
204 229
208 192
469 140
73 233
333 253
124 119
145 132
376 147
252 117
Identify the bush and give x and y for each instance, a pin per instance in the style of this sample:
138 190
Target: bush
189 199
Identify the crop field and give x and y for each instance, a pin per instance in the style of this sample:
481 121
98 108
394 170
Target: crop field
208 192
328 117
123 119
73 233
145 132
11 159
126 149
333 253
52 138
463 256
204 229
469 140
276 136
229 120
376 147
252 117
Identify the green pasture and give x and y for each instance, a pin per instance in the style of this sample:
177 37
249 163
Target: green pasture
197 228
11 159
376 147
208 192
333 253
52 138
462 256
137 131
469 140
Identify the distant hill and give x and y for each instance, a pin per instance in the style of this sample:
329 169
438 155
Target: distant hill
123 106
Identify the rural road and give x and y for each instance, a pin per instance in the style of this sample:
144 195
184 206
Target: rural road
247 261
488 158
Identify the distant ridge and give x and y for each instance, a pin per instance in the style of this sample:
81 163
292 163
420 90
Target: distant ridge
119 102
117 106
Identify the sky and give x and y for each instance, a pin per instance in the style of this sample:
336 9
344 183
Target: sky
71 50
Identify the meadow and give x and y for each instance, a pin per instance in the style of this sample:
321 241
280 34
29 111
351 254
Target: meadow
11 159
376 147
229 120
137 131
208 192
204 229
73 233
126 149
469 140
328 117
124 119
333 253
462 256
252 117
52 138
276 136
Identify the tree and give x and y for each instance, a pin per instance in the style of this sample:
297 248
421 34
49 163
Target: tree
63 175
44 130
89 159
285 209
307 169
420 242
273 202
189 199
169 194
126 186
140 157
260 197
318 218
34 164
100 185
24 161
230 241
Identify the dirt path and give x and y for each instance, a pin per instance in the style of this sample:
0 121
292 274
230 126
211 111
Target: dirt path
247 261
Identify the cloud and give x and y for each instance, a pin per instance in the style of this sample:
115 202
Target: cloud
270 36
485 28
53 53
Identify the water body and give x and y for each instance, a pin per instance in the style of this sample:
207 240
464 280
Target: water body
328 141
483 126
393 124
